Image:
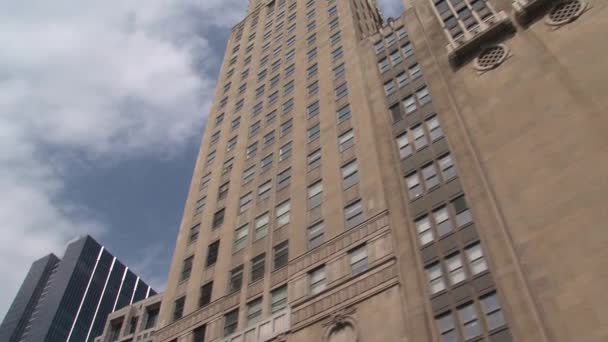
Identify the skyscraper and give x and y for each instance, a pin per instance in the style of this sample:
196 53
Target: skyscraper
69 299
435 177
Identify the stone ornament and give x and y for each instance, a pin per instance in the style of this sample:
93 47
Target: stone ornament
341 319
491 57
565 12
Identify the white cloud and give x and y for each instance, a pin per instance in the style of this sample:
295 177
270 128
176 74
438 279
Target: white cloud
107 80
391 8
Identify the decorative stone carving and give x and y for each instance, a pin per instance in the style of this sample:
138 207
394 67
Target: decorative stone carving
491 57
565 12
341 319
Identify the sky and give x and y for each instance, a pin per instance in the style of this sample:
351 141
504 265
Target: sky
102 109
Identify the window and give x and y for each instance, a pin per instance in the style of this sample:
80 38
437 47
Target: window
259 92
341 90
231 144
432 125
415 71
409 104
281 254
290 55
133 325
271 117
311 54
261 226
212 252
339 71
266 162
402 80
396 58
269 139
251 150
389 88
423 227
116 327
335 38
311 26
442 221
210 157
249 174
492 311
257 267
288 87
379 47
311 40
286 127
313 88
420 139
312 110
291 40
215 137
468 317
405 149
152 314
245 202
358 260
383 65
219 119
423 95
278 299
314 132
390 39
205 297
235 124
255 128
290 70
447 330
429 174
200 205
282 213
401 32
350 174
264 190
242 89
455 269
343 113
254 311
198 334
236 279
414 188
314 159
186 268
334 24
448 171
283 179
312 70
476 260
346 140
218 218
407 49
273 97
315 195
178 308
332 11
337 54
395 112
231 321
194 231
353 214
435 276
316 234
240 237
463 215
285 151
318 280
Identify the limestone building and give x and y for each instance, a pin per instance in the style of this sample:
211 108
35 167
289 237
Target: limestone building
136 322
436 177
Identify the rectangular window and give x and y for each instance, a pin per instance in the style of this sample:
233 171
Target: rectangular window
346 140
258 267
423 95
315 195
219 119
290 70
358 260
257 109
212 252
334 24
314 132
259 92
343 113
407 50
314 159
251 150
435 276
446 165
313 88
318 280
200 205
178 308
405 148
402 80
425 233
254 128
311 55
261 226
341 90
281 254
463 215
409 104
278 299
285 151
429 174
266 162
271 117
286 126
254 311
312 110
283 179
414 187
282 213
442 221
470 323
290 55
240 237
337 54
447 329
249 174
339 71
205 296
350 174
231 322
476 260
379 47
420 139
152 318
455 269
312 70
236 279
245 202
492 311
390 39
311 40
401 32
186 268
223 191
383 65
353 214
396 58
316 235
389 88
415 71
273 98
231 144
335 38
194 232
269 139
264 190
218 218
228 166
432 125
236 123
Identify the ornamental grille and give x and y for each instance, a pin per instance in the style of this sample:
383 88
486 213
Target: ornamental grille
565 12
491 57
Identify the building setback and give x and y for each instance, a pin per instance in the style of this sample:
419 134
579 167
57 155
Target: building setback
440 176
69 299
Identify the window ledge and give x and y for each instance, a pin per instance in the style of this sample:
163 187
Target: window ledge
464 48
525 10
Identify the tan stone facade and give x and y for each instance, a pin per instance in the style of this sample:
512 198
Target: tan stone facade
360 182
136 322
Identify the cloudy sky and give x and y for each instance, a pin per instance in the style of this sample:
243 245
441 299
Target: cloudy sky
101 112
